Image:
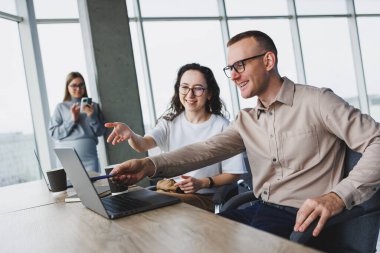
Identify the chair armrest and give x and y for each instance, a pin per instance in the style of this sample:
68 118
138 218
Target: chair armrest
224 192
304 237
238 200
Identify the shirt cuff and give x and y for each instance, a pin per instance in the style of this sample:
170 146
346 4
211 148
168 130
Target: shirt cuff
347 193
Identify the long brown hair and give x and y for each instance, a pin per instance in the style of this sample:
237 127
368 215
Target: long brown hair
215 105
69 78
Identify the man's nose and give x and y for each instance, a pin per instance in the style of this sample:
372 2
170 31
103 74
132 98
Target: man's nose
234 74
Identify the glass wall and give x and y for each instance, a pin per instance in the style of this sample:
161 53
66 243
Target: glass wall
315 39
319 33
172 44
17 144
252 8
369 43
178 8
278 29
62 52
8 6
328 56
47 9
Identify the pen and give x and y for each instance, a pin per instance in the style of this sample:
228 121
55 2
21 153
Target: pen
100 177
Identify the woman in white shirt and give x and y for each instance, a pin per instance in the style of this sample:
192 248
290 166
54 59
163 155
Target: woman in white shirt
194 115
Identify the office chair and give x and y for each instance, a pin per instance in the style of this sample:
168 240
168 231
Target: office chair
354 230
223 194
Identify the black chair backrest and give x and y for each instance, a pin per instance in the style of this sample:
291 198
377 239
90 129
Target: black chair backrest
357 234
351 159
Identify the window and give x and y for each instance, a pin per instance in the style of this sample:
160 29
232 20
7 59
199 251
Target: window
369 43
179 32
173 44
320 7
256 7
367 6
130 8
8 6
62 52
48 9
141 78
178 8
279 31
328 56
17 144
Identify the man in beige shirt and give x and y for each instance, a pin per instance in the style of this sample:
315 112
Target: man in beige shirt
294 139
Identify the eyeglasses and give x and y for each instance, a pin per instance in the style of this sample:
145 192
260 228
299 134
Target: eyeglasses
77 86
197 90
239 66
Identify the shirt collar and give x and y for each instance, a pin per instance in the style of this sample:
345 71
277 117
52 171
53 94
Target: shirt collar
286 93
285 96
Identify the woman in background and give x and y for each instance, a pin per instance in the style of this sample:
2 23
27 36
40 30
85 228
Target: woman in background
73 126
195 114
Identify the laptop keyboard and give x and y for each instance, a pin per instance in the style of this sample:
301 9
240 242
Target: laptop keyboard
123 203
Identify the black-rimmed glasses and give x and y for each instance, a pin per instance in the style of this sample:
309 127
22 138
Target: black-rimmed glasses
77 86
197 90
239 66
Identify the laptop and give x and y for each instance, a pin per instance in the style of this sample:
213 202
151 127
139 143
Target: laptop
102 190
110 207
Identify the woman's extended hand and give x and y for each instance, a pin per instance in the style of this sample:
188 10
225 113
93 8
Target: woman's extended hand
121 132
191 184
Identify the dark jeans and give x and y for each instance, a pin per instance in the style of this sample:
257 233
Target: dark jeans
278 220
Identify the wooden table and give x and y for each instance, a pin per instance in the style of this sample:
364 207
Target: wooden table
57 226
26 195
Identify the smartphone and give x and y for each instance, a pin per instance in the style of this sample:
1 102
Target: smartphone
85 101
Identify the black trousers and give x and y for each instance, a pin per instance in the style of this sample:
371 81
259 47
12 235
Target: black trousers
275 219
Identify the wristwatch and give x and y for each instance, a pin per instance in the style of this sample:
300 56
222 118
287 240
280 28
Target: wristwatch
211 182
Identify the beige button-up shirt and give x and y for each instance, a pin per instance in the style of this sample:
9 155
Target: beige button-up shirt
295 148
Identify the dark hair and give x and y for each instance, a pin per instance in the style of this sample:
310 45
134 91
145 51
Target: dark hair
262 38
214 105
69 78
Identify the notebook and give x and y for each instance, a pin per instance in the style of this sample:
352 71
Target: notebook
110 207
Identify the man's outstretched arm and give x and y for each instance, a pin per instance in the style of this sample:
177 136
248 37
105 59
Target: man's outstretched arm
134 170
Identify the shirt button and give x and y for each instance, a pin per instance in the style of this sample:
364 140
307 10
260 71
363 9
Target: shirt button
270 113
353 203
274 160
265 192
271 135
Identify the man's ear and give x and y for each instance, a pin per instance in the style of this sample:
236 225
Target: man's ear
270 60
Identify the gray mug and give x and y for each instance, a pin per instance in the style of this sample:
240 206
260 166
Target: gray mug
57 179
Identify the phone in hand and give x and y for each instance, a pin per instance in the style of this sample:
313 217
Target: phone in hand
85 101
